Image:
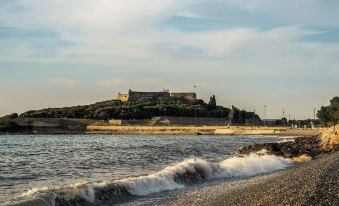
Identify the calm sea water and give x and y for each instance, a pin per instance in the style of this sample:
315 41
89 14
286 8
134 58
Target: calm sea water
54 161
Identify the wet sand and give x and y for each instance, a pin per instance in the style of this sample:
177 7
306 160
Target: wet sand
311 183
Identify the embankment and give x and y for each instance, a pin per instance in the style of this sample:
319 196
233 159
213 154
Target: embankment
194 130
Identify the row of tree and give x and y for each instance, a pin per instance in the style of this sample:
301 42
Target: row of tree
329 115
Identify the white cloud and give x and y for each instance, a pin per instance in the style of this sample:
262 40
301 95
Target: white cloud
125 35
68 83
110 82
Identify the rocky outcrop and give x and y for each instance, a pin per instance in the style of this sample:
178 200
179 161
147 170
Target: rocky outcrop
302 148
301 145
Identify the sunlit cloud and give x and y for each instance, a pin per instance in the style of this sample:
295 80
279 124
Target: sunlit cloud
110 82
68 83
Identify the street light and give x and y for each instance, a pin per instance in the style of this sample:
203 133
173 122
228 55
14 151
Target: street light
195 115
265 106
283 117
314 113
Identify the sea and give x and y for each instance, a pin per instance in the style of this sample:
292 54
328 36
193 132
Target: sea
122 169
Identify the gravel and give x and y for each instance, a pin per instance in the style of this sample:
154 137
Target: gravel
312 183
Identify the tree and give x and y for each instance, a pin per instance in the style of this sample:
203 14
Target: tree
213 102
10 116
12 127
330 114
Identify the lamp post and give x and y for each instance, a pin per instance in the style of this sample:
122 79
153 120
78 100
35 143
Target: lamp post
195 116
265 106
314 113
283 117
314 116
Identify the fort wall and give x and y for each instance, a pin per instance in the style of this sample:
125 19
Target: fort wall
135 95
184 95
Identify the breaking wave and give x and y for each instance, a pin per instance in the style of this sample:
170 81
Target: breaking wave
180 175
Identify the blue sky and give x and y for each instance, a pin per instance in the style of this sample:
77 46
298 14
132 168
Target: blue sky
249 53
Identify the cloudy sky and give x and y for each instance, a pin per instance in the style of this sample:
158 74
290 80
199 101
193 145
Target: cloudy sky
250 53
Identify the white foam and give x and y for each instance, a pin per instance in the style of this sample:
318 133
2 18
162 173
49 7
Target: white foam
253 164
164 180
286 140
250 165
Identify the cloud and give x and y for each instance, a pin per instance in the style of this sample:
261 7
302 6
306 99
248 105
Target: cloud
234 44
110 82
68 83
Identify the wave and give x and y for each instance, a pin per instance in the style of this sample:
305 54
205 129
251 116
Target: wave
178 176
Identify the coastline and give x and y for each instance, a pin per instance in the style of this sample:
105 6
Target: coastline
312 181
201 130
309 183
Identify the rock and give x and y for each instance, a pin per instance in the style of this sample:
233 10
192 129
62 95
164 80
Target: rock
302 158
302 145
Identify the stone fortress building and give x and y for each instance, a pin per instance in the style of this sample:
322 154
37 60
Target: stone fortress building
165 94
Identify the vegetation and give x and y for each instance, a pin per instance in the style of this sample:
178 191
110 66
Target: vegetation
143 109
10 116
329 115
213 102
12 127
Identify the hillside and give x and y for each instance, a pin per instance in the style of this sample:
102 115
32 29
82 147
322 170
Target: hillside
142 109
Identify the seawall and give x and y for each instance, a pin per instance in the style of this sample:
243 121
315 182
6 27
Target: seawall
208 130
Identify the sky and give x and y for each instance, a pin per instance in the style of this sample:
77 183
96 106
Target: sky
249 53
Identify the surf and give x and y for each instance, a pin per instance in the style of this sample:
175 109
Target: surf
173 177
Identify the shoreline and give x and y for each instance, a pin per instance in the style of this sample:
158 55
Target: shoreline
177 130
309 183
312 181
201 130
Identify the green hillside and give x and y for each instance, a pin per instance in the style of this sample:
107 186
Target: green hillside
142 109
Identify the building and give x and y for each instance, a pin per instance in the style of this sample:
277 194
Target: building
165 94
184 95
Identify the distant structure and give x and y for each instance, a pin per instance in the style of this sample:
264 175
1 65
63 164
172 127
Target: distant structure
184 95
165 94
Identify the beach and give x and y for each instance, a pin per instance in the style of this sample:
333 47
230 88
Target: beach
310 183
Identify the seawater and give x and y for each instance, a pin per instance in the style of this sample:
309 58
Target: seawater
107 169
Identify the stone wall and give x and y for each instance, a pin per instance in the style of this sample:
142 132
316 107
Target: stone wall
173 121
135 95
184 95
50 124
199 121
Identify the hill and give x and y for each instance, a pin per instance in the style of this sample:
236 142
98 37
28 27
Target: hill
143 109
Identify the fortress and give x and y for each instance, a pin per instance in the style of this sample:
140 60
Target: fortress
165 94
